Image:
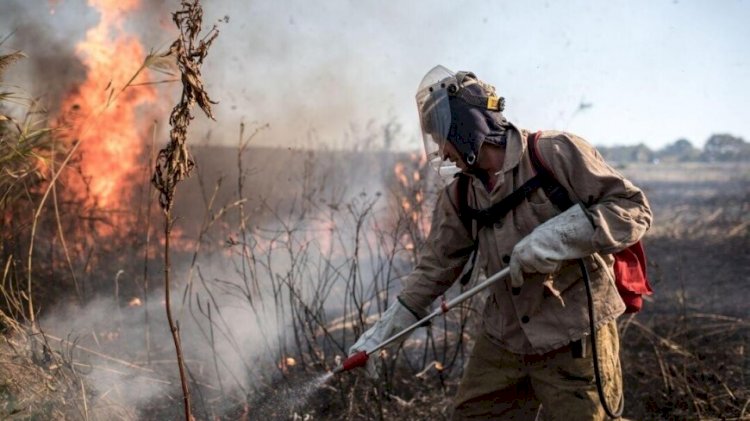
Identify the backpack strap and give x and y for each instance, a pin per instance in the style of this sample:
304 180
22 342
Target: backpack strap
488 216
543 178
555 192
461 204
462 198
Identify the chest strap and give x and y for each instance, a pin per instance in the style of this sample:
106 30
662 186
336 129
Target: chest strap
495 213
544 178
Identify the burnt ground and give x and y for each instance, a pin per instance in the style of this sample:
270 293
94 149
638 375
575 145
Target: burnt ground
700 236
686 355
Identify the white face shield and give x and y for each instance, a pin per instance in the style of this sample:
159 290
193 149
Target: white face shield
435 116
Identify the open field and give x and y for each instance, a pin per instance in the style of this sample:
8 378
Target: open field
691 362
700 235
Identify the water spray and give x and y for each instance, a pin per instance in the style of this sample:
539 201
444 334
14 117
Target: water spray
359 359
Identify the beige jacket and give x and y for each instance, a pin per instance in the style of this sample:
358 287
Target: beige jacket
535 321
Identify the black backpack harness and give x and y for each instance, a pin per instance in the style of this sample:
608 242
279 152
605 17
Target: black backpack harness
486 217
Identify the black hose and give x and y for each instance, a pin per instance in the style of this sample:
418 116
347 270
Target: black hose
595 351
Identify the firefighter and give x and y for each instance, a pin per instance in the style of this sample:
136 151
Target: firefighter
534 345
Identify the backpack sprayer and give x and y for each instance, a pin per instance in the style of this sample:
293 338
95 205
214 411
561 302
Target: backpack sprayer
360 358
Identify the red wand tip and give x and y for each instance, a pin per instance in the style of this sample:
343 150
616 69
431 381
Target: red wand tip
358 359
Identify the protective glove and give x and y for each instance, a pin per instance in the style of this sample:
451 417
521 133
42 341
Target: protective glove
564 237
394 320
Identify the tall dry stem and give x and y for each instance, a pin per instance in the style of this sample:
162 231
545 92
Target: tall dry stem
174 163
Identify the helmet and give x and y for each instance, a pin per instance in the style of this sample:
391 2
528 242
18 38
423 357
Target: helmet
460 109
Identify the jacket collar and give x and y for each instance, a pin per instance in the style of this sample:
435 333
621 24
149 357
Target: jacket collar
515 147
514 150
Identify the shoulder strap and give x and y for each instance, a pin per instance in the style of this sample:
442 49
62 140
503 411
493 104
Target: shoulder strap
462 193
496 212
544 178
463 209
552 188
488 216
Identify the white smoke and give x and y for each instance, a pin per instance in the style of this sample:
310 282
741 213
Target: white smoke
303 242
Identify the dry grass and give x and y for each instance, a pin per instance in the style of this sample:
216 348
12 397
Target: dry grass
38 383
691 367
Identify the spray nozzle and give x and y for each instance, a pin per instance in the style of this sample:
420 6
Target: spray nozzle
358 359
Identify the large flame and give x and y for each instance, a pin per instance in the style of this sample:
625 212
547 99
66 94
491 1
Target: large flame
102 113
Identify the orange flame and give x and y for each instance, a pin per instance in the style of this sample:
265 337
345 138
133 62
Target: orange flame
103 111
400 171
285 363
413 199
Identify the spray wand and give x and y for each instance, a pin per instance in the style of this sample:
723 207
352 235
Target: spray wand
359 359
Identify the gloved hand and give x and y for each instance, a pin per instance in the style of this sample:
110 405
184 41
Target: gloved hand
394 320
564 237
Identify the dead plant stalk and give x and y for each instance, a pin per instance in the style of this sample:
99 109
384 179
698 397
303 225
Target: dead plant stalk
174 163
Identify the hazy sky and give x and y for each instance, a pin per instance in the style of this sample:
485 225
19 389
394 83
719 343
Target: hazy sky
333 71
